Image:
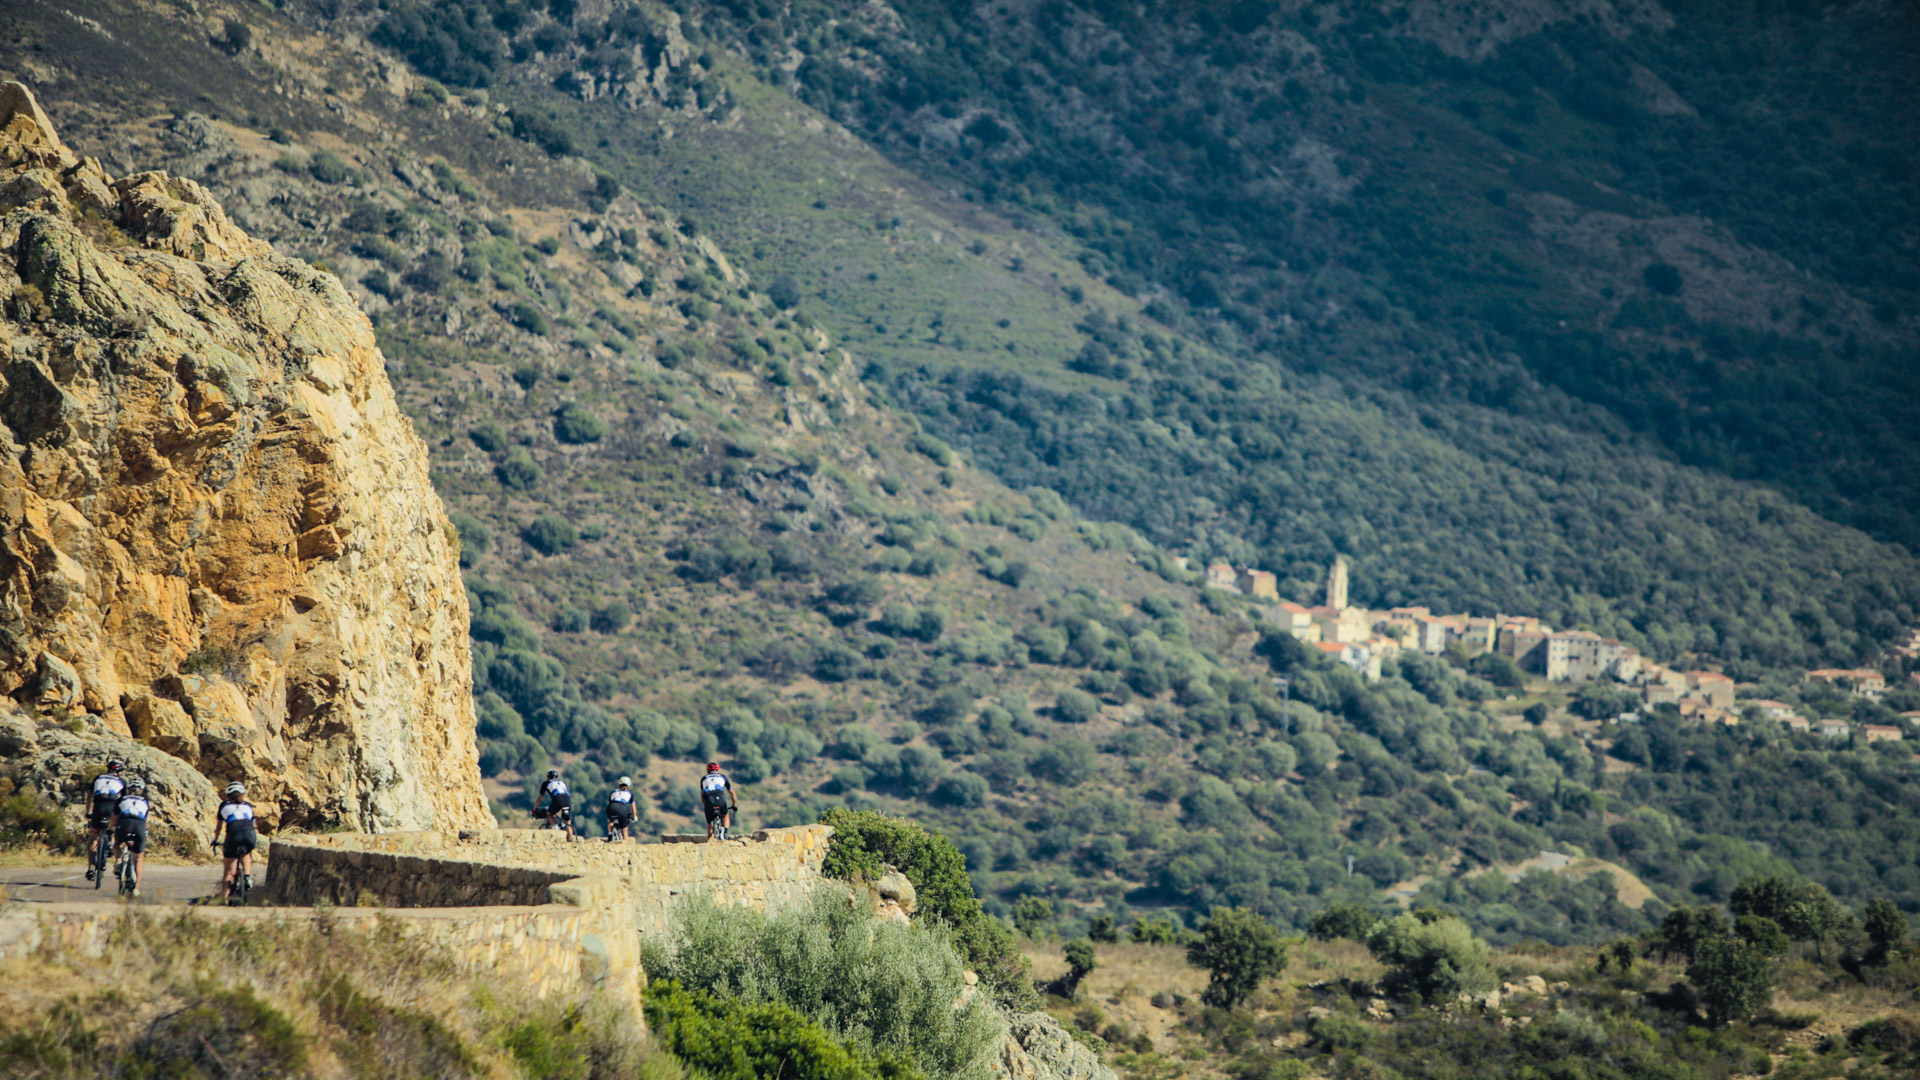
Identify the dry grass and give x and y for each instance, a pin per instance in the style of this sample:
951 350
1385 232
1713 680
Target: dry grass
322 998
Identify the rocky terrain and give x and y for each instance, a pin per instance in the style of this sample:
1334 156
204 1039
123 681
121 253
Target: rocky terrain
220 537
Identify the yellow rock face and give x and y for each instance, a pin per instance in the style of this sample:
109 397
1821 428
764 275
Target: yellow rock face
216 528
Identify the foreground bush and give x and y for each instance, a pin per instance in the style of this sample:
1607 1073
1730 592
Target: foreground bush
1430 956
865 843
885 988
734 1041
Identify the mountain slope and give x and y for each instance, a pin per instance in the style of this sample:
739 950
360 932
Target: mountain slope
691 528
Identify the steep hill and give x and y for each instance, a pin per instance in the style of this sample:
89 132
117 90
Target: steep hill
694 523
1365 287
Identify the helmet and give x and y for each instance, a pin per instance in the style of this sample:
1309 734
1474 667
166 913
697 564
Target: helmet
136 784
116 765
236 788
552 773
626 781
713 766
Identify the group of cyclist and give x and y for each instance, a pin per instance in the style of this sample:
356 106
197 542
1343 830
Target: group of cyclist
554 804
119 806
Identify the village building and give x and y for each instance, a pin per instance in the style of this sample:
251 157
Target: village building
1797 723
1221 576
1354 655
1835 729
1861 682
1881 732
1711 687
1337 583
1295 619
1259 584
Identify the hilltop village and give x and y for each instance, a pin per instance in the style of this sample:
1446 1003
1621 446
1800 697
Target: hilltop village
1364 639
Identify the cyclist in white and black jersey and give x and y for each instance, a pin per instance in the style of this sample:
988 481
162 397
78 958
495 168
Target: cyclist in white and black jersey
101 799
235 817
559 802
717 799
620 810
130 826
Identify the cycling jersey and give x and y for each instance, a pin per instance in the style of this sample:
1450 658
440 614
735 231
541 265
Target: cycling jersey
621 800
132 829
714 788
237 818
556 789
108 787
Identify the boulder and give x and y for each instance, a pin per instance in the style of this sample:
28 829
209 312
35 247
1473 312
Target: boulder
1036 1047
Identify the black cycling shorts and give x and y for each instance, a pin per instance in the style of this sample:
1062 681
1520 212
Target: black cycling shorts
133 834
100 817
715 813
238 844
560 812
619 821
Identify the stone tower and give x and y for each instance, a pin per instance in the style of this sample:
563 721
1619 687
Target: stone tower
1337 583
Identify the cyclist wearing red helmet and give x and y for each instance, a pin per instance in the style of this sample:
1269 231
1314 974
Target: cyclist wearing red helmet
717 797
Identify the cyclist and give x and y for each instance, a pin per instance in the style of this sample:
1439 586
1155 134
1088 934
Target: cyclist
236 817
620 810
560 802
130 826
716 795
107 788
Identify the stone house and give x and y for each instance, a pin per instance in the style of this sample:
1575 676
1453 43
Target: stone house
1295 620
1835 729
1221 576
1711 687
1861 682
1258 584
1880 732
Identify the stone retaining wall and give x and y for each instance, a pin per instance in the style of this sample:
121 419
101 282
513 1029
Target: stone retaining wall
772 869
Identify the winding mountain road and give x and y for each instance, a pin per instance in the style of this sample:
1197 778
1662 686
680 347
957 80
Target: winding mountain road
67 883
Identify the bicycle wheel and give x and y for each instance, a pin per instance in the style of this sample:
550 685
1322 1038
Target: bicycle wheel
98 857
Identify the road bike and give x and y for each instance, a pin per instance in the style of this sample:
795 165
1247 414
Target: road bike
125 872
100 855
238 888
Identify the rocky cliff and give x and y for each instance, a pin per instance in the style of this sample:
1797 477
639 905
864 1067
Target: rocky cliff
217 534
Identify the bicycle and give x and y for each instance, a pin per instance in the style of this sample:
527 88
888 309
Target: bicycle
238 888
99 856
125 871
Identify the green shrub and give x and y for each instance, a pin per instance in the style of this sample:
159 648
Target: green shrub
26 816
1032 915
518 471
886 988
864 843
728 1041
549 535
1076 706
576 424
1733 978
1430 958
326 167
529 318
489 435
1343 919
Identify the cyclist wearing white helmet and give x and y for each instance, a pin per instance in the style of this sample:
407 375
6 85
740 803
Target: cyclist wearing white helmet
130 826
620 810
236 817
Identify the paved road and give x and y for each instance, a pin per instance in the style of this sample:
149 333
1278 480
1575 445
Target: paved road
67 883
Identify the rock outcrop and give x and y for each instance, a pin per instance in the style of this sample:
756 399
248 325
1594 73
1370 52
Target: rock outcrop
1036 1047
217 534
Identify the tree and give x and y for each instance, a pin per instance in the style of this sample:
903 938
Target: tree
1684 928
1886 928
1343 919
1080 963
1734 978
1031 914
1239 950
1762 933
1100 928
1430 958
1498 669
1536 714
549 535
784 292
1806 911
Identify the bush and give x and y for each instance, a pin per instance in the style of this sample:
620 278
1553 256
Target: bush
864 843
1343 919
28 817
1733 978
326 167
1032 915
1080 963
887 989
1100 928
1076 706
1067 762
529 318
784 292
518 471
1430 957
733 1042
1239 950
576 424
489 435
549 535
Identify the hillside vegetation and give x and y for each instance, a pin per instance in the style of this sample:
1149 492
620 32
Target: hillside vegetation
696 525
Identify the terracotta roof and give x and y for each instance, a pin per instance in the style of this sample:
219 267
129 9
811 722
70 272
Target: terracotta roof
1331 646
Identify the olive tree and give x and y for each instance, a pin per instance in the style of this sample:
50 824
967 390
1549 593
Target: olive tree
1239 949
